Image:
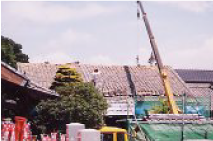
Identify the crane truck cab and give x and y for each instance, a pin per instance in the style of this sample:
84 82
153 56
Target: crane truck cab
113 134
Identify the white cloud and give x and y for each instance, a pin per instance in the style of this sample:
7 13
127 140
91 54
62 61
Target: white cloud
144 55
68 39
191 6
192 56
47 13
54 57
199 57
209 43
60 47
101 59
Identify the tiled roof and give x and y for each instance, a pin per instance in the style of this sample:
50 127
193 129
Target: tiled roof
43 74
30 83
204 91
194 75
112 80
200 82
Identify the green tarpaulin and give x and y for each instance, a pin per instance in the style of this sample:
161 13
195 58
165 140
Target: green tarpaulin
175 132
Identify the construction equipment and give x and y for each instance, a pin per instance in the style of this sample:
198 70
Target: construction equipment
164 76
77 132
113 134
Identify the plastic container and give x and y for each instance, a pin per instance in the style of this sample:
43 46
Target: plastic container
89 135
72 130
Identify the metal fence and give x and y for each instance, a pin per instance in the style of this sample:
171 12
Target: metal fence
175 130
200 105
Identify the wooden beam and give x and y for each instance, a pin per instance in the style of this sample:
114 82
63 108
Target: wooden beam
10 76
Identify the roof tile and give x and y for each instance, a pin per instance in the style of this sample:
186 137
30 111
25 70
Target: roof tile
195 75
112 80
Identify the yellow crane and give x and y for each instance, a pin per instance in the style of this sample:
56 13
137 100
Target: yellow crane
117 134
163 73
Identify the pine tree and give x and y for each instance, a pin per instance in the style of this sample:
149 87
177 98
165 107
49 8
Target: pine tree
65 77
79 102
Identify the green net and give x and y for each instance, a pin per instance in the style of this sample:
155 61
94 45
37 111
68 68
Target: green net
173 132
200 105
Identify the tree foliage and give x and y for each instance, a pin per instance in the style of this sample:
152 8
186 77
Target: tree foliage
11 52
65 77
163 108
79 102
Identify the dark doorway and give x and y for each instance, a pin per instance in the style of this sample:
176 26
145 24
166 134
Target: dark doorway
116 121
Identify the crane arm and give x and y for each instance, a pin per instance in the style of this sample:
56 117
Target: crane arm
168 91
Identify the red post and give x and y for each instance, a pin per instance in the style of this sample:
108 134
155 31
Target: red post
34 137
19 126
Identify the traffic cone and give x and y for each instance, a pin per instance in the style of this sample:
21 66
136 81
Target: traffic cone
19 126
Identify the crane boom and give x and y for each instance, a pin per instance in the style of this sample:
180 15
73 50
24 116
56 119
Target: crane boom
168 91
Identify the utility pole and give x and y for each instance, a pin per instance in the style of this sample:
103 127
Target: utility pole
182 125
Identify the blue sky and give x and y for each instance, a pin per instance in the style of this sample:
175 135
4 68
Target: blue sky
109 33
